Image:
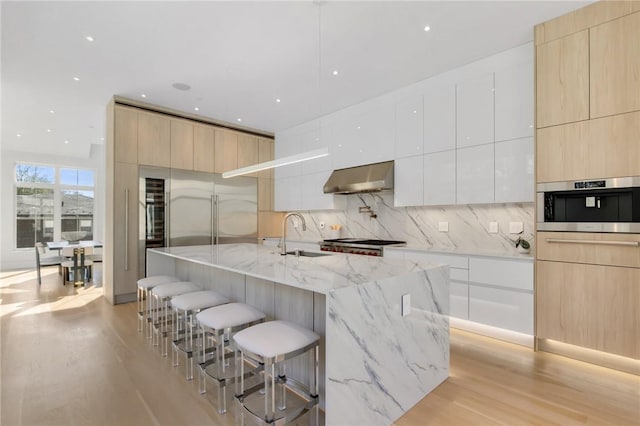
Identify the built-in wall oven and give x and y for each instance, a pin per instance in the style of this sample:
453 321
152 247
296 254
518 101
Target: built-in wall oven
597 205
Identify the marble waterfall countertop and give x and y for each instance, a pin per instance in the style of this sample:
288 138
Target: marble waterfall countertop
322 274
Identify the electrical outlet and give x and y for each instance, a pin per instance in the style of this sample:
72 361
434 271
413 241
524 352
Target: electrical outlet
321 224
515 227
406 304
443 226
493 227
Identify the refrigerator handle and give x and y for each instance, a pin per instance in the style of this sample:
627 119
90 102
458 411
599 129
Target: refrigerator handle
167 218
216 219
213 219
126 229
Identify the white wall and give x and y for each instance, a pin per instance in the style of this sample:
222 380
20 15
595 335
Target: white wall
12 258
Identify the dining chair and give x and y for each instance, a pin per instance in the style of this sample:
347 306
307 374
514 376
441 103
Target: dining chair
43 260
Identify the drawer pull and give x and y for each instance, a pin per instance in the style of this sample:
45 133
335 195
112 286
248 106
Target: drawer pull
603 242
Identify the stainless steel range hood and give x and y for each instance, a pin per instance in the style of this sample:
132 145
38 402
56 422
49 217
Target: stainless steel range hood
368 178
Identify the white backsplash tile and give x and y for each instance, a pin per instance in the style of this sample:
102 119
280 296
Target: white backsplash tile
418 226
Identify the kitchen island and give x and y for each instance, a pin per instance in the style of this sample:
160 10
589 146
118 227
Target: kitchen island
376 363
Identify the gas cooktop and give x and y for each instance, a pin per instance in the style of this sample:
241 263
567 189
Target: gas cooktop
359 245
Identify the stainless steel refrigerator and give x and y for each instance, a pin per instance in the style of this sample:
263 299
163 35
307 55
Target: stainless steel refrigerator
183 208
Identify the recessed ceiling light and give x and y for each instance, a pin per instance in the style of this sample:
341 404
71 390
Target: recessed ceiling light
48 130
427 28
76 78
196 109
278 100
181 86
239 120
143 96
101 139
335 72
51 111
66 141
18 134
89 38
415 111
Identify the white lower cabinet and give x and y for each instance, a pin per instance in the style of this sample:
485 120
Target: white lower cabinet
459 300
503 308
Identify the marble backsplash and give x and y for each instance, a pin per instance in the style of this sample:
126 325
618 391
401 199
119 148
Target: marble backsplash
418 226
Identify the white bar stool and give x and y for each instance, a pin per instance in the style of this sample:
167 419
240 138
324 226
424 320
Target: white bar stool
144 301
270 344
184 308
220 323
162 295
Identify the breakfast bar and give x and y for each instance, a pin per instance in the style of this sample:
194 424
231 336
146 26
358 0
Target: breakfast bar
383 323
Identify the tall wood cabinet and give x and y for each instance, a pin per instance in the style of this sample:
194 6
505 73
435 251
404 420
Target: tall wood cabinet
588 122
140 137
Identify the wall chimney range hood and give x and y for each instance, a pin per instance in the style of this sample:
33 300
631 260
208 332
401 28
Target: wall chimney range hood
368 178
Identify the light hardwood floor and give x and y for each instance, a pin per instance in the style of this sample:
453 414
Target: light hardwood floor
68 357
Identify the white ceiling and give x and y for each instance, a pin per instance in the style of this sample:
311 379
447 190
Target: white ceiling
238 57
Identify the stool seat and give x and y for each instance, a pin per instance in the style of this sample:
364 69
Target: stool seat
150 282
274 338
174 289
198 300
229 316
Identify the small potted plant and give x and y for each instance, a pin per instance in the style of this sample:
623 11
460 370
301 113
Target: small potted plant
522 245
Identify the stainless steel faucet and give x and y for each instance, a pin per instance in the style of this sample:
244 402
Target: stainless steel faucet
283 251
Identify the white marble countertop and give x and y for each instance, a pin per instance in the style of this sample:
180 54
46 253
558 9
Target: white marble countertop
319 274
458 252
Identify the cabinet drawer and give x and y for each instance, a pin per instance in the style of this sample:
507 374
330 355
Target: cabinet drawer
503 273
459 300
459 274
592 248
506 309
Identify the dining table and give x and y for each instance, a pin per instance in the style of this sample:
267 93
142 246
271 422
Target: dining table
61 245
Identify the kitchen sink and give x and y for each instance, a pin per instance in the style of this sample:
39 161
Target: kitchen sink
305 253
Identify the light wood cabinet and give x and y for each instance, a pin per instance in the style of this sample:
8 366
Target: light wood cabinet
270 224
265 153
154 142
594 248
562 90
592 306
181 144
594 149
203 148
247 152
125 232
126 135
226 151
614 58
265 194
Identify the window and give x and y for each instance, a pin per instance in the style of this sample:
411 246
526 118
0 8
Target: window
53 203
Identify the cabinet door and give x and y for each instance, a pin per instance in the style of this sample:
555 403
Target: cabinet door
314 198
439 178
154 143
287 144
514 171
592 306
265 153
226 151
562 80
594 149
287 194
511 310
247 152
474 106
125 231
312 141
514 102
407 176
126 135
475 171
270 225
615 66
504 273
440 119
203 148
181 144
265 194
409 120
375 135
459 300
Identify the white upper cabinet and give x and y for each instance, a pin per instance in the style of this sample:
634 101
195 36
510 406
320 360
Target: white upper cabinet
514 102
287 144
440 119
409 119
344 144
439 178
313 196
312 141
514 171
475 111
408 181
475 171
287 194
375 135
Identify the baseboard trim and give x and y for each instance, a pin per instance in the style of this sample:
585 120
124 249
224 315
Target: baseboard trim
124 298
494 332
